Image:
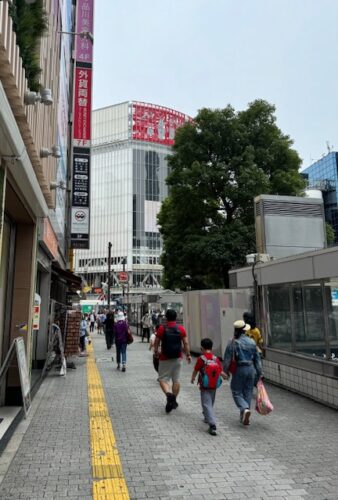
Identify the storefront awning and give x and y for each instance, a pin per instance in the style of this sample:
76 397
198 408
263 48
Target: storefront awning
71 278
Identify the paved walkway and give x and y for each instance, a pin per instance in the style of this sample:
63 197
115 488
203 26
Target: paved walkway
291 454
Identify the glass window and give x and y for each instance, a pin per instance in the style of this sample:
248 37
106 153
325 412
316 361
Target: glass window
280 317
310 330
331 295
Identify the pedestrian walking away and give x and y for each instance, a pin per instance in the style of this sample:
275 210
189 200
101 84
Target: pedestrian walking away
121 337
210 374
254 332
91 322
173 341
109 329
146 325
242 351
83 333
152 348
101 322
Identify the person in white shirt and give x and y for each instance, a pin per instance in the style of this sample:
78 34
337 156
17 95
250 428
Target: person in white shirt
146 325
92 322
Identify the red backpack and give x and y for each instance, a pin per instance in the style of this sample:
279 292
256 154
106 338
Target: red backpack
211 373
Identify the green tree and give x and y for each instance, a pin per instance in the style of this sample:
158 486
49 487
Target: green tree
330 234
220 162
29 23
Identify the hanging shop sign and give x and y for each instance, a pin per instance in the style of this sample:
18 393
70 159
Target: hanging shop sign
81 136
82 107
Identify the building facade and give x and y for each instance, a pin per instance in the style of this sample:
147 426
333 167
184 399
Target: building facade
131 142
35 159
298 316
323 175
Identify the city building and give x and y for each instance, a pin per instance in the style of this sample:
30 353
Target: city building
323 176
36 94
130 145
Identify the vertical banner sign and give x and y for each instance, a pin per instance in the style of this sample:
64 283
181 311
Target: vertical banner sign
80 212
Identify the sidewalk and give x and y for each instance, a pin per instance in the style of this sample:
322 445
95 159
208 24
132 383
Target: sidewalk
290 454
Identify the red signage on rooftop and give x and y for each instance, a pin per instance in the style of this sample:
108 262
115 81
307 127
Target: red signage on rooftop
153 123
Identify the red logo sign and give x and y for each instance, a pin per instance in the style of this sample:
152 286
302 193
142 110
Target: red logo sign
122 276
156 124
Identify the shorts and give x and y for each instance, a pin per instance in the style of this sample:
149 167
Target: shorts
170 369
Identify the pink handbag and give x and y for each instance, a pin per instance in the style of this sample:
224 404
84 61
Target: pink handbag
263 403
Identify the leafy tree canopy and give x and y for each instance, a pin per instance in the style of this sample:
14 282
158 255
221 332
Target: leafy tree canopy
220 162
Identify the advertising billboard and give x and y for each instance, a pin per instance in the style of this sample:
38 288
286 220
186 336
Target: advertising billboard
84 23
80 198
82 107
156 124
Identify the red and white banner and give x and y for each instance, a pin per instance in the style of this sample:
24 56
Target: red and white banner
82 107
156 124
82 110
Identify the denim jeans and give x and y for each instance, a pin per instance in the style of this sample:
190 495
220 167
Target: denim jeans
121 352
242 384
207 401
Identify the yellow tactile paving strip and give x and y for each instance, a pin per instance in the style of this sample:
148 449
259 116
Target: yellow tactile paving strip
108 479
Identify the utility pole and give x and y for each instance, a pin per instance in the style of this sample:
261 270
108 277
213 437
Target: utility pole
109 272
124 268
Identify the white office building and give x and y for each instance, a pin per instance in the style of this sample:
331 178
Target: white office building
131 142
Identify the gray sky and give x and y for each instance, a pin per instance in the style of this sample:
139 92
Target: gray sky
189 54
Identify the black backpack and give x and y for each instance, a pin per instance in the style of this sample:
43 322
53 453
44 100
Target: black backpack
171 345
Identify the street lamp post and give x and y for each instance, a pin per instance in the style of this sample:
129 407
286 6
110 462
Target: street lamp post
109 273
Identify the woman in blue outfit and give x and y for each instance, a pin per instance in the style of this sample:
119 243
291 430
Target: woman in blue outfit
121 337
248 371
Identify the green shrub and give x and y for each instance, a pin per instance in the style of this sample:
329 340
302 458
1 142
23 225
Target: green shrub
30 23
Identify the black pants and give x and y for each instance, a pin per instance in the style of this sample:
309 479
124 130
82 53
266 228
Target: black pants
146 333
83 343
156 362
109 338
91 326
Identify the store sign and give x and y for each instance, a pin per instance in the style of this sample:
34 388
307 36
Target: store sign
122 277
84 47
36 312
82 109
49 238
81 179
156 124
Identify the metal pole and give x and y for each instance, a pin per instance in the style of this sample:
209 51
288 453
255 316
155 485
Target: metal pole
124 268
109 272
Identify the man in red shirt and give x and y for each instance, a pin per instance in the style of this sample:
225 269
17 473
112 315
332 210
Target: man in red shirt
173 341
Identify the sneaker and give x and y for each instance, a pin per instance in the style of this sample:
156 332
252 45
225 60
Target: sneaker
118 367
212 430
123 368
170 402
175 403
246 417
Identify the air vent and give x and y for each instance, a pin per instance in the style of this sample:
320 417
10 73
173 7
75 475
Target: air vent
292 209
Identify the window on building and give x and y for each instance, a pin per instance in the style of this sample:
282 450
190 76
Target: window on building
280 317
310 337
